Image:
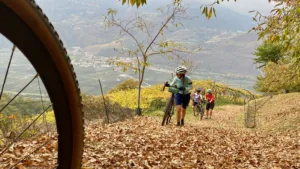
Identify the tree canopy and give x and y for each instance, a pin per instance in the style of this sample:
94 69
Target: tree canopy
282 26
277 77
268 52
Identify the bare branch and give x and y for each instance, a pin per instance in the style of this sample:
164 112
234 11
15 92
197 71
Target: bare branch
130 34
163 26
160 52
147 28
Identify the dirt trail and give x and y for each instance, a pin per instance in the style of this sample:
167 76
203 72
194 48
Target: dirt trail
229 116
142 142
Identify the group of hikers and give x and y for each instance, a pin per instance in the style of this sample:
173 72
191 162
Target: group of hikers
183 85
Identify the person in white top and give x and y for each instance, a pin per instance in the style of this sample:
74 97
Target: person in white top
197 98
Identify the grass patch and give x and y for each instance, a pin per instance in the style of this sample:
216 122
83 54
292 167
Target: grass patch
240 119
221 101
155 113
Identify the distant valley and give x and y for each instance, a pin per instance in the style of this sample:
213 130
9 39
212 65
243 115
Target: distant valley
225 56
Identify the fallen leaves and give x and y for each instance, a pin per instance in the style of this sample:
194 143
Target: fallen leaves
44 157
142 143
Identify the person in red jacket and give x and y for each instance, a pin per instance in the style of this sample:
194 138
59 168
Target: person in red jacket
210 103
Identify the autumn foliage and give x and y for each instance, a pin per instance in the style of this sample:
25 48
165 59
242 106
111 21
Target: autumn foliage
279 77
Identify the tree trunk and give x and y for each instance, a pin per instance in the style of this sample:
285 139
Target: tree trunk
138 110
141 79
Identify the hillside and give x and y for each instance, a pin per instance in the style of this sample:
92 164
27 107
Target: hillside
153 98
80 23
143 142
22 105
280 113
220 142
225 56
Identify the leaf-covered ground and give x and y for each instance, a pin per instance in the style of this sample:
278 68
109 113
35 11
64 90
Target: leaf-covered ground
141 142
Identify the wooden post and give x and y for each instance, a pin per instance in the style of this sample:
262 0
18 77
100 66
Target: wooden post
105 108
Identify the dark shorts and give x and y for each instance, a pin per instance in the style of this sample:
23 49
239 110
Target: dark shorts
183 100
210 106
195 103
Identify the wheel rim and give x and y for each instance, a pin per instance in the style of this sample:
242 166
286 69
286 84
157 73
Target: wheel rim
70 142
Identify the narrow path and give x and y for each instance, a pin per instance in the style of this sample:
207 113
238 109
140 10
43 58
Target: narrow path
229 116
143 143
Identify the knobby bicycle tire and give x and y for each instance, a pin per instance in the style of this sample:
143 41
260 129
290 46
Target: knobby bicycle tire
25 25
201 111
197 111
167 111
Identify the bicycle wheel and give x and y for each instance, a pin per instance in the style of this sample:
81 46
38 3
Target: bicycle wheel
196 112
25 25
201 112
167 111
171 113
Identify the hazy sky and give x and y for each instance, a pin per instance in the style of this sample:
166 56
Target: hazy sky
241 6
244 6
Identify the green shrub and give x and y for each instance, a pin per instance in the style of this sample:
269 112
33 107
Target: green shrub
157 103
93 107
126 85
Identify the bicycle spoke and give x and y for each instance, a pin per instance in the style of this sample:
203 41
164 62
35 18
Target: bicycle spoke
31 153
13 63
52 63
16 138
44 117
38 79
19 92
5 77
27 102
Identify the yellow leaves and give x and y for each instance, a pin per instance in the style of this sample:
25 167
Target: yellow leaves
209 10
154 97
135 2
281 26
281 76
274 38
132 2
148 94
50 117
111 12
210 13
